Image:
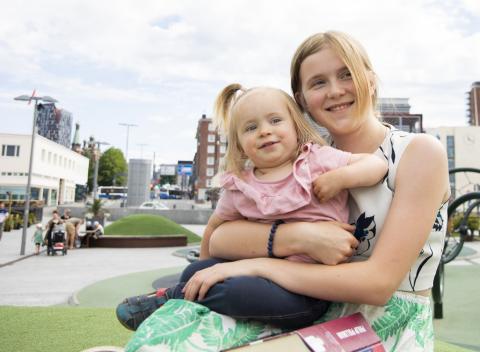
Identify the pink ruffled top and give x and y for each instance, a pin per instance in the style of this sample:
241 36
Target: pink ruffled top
289 199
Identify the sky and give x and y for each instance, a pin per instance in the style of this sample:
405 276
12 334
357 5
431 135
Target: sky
160 64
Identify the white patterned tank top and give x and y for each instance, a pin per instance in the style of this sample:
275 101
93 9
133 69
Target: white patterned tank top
369 208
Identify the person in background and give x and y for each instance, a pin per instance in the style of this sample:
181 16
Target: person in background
98 230
66 214
3 217
72 226
55 220
37 238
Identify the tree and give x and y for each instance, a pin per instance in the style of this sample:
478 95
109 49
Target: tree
112 168
87 152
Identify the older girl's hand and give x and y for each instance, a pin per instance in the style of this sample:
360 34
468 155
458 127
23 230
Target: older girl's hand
197 287
329 243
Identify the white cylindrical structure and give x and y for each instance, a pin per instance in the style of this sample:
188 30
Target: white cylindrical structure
139 174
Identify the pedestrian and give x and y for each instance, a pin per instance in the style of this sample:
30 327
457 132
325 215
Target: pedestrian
72 226
54 221
66 214
37 238
3 217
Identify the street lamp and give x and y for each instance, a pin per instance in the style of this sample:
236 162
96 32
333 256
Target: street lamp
96 156
127 125
29 179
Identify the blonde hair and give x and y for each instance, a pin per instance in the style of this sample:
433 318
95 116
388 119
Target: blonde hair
351 53
225 119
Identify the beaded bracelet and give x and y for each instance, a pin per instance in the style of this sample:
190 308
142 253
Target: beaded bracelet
273 230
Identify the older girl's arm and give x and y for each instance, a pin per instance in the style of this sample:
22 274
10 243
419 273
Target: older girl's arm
327 242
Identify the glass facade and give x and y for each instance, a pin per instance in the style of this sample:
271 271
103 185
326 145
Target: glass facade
54 124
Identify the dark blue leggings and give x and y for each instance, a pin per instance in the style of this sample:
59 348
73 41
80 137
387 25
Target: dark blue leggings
249 297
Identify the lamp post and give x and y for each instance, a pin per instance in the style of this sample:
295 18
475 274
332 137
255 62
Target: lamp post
29 178
127 125
96 155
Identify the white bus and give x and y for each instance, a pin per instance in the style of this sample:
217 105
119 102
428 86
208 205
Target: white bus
112 192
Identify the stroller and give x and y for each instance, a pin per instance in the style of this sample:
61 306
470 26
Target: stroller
56 240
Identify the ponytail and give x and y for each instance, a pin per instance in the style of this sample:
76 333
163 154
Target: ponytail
223 106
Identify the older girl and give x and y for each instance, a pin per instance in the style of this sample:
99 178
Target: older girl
403 219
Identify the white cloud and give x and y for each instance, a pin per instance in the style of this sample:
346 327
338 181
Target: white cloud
160 63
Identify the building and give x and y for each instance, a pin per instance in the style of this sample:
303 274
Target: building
56 170
463 148
211 147
396 111
184 174
473 102
54 124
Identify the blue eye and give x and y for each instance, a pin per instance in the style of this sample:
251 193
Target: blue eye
318 83
276 120
346 75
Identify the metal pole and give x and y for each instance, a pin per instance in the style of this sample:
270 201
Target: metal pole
126 147
29 181
127 125
95 173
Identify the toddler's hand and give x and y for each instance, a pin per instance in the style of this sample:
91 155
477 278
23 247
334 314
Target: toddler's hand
326 186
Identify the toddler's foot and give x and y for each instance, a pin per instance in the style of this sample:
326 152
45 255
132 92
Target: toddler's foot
134 310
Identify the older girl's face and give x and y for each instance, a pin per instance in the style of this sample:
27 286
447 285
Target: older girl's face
328 92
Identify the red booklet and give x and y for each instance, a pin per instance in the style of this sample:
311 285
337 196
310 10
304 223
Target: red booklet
347 334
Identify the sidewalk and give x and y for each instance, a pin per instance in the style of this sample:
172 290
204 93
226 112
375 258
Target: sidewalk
43 280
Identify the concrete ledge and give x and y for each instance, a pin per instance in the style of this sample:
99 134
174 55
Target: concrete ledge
139 241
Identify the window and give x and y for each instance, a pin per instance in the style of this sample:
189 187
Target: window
43 155
10 150
208 183
49 157
222 149
210 160
211 149
54 159
210 171
223 139
211 138
211 127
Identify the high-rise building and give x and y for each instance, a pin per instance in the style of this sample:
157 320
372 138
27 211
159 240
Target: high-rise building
396 111
473 102
54 124
211 147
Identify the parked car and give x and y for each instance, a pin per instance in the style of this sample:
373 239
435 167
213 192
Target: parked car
153 205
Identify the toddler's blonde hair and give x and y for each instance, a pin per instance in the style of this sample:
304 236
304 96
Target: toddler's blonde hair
225 119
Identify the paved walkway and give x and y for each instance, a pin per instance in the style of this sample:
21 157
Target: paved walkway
31 280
